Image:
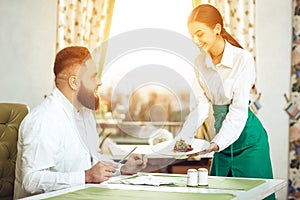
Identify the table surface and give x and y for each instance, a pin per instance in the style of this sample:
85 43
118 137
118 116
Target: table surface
139 123
259 192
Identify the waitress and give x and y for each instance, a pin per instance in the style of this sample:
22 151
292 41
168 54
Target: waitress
226 73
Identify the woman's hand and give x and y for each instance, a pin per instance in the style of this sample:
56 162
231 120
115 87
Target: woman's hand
212 147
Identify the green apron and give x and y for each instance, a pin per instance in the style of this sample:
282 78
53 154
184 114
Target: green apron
248 156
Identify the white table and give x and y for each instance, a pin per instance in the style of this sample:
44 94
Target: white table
270 186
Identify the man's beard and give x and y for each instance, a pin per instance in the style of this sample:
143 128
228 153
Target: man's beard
88 98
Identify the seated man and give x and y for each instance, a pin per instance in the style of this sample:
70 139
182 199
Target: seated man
58 141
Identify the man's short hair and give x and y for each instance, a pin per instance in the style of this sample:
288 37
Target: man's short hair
70 57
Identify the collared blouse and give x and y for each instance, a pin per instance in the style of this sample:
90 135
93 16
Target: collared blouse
227 83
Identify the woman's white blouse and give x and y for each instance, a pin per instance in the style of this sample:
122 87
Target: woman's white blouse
227 83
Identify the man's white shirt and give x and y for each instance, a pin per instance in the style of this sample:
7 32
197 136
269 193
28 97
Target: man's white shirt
56 144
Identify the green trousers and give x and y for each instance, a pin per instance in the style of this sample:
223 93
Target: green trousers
249 156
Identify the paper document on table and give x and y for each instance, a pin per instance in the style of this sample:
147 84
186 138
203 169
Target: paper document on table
149 180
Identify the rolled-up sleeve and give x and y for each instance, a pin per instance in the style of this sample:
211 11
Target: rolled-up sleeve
46 181
199 112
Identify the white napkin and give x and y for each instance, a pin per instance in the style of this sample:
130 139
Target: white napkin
149 180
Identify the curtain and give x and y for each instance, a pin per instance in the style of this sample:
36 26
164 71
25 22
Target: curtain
293 107
238 18
83 22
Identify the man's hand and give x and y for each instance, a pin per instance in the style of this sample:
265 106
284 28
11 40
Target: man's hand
134 164
100 172
212 147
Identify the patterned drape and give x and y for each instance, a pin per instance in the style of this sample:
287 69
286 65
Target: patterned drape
293 108
83 22
238 18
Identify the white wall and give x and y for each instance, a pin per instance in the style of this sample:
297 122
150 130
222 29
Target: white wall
274 31
27 38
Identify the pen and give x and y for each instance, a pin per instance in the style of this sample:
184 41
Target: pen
105 137
143 155
125 157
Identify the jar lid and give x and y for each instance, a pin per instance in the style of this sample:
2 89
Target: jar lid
192 170
202 170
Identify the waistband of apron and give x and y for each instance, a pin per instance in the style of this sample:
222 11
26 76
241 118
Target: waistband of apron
221 108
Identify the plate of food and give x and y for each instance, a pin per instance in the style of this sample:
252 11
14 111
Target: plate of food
180 147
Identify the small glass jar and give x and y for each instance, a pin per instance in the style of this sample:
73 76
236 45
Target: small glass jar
192 177
202 176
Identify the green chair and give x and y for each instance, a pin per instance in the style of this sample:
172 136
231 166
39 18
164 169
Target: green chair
11 116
